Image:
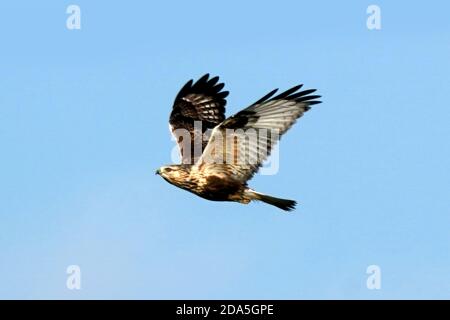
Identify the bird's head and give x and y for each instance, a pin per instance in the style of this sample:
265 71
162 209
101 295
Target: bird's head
173 173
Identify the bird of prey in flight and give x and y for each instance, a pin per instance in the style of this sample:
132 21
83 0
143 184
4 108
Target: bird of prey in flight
219 155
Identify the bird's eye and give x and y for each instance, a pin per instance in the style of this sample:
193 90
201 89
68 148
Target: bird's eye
168 170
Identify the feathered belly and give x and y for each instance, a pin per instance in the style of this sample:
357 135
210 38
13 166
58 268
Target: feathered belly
216 188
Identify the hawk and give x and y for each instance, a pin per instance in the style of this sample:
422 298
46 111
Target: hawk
220 155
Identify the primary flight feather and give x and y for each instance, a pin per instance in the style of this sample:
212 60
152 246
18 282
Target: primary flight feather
219 155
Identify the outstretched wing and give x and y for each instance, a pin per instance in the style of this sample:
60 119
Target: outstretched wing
240 144
200 101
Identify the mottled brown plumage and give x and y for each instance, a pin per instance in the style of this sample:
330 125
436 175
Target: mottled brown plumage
200 101
219 157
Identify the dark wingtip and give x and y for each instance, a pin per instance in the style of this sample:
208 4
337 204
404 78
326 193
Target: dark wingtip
187 86
204 77
213 81
286 94
266 97
204 85
292 94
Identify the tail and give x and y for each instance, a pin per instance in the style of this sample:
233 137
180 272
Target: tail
284 204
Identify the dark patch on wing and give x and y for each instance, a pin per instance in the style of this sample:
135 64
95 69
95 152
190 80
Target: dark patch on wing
240 119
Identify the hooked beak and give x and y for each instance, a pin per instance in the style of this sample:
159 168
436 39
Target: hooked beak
157 171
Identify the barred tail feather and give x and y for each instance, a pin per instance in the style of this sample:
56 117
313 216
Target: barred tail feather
284 204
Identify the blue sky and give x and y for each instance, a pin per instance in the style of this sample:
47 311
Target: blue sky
83 126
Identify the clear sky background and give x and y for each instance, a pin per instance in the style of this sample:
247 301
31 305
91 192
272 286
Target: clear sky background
83 126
